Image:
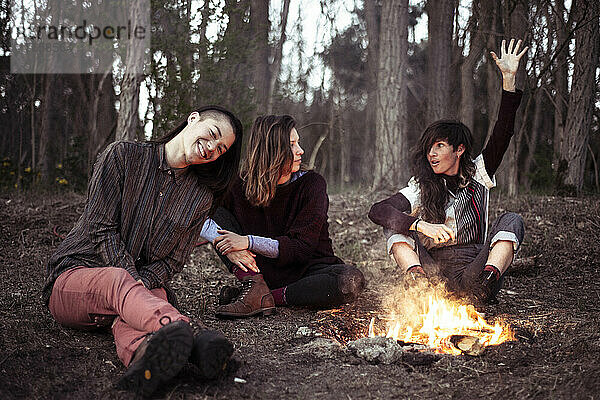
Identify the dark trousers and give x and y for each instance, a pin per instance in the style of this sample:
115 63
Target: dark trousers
460 266
322 285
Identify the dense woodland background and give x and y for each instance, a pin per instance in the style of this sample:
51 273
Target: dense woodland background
380 87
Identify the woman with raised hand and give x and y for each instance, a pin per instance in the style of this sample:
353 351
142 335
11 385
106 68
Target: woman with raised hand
438 224
272 230
145 209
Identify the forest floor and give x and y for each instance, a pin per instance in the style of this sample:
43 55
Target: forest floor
551 298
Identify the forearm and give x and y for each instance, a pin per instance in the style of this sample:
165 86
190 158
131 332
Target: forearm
155 274
503 131
159 271
111 248
508 82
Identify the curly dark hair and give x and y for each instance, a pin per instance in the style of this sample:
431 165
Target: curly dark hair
434 195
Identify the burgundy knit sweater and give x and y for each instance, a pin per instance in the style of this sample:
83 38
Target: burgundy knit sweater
297 218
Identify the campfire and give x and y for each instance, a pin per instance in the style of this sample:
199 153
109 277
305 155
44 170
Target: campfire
427 316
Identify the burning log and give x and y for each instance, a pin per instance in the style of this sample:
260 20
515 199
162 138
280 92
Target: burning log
470 345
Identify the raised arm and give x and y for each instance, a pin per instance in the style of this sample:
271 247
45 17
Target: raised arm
508 64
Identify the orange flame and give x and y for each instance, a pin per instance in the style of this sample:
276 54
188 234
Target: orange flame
437 320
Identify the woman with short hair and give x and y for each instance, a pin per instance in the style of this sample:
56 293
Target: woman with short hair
145 208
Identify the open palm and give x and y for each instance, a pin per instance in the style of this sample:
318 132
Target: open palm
508 63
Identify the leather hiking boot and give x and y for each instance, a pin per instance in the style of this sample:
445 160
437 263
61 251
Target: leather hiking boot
415 277
211 353
483 289
228 294
255 298
158 358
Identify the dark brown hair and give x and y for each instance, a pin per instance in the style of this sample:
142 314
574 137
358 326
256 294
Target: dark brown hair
269 157
434 195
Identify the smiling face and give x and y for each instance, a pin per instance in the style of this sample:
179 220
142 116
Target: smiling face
205 140
443 159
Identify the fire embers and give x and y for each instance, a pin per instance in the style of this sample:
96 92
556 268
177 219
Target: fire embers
425 315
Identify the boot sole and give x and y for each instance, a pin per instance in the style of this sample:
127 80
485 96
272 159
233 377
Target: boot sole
211 353
264 311
167 352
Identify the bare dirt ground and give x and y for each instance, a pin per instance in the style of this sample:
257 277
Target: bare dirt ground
551 298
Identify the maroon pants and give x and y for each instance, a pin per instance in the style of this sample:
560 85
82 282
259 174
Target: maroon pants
90 298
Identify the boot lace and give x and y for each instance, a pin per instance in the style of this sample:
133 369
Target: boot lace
245 288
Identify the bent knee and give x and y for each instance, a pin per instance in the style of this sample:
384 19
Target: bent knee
118 274
351 283
512 218
117 278
512 222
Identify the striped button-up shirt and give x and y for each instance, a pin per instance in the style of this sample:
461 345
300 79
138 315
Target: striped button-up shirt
141 215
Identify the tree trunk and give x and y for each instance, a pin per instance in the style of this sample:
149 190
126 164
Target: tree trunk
493 77
373 20
47 131
480 19
101 120
560 80
391 142
129 98
278 52
439 58
536 126
259 25
331 144
581 98
518 24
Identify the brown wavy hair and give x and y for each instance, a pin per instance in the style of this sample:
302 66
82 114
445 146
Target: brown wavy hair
434 195
269 157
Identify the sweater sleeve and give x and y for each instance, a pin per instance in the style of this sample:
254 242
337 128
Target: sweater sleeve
503 131
296 246
392 213
103 209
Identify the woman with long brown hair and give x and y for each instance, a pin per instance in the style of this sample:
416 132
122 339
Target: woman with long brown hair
438 225
146 206
272 230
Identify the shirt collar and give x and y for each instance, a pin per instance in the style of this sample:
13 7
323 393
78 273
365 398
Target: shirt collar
164 166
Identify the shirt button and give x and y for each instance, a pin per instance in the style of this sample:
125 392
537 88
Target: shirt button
160 194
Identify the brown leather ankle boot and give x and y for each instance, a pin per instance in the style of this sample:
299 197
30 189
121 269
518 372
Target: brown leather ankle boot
255 298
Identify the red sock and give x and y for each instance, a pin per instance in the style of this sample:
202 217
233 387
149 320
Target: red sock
239 273
416 269
492 269
279 296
